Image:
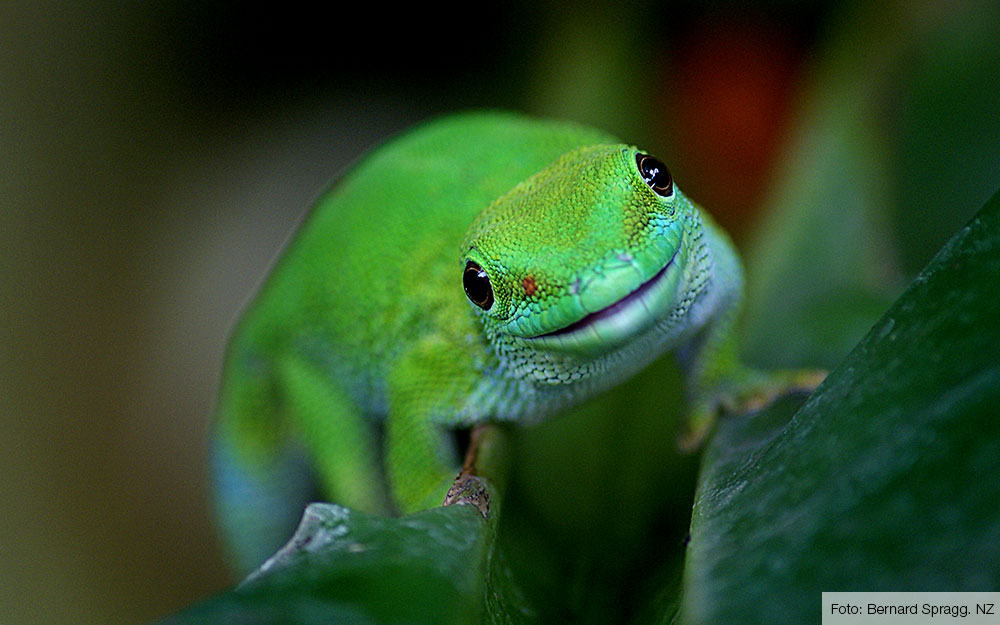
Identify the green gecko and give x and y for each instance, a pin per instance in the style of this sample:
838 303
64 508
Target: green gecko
482 267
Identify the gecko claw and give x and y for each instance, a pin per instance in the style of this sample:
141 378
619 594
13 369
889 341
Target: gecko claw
468 489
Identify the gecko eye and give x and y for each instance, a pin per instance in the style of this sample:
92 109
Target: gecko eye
655 174
477 286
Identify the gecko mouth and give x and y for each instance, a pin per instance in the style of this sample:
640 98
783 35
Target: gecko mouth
636 308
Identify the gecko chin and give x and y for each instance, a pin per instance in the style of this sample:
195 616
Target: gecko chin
620 322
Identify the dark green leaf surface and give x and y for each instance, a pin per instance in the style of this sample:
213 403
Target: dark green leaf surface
888 478
347 567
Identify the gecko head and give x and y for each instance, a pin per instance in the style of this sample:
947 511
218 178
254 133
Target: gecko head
580 259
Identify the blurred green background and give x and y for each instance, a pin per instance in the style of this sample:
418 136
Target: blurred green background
154 157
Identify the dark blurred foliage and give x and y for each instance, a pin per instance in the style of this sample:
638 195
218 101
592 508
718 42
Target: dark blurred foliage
154 156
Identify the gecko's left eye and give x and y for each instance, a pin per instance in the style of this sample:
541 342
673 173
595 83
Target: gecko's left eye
477 286
655 174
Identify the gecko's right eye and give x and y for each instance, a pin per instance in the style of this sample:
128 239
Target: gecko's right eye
477 286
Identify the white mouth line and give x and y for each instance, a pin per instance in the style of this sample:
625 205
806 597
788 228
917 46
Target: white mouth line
615 308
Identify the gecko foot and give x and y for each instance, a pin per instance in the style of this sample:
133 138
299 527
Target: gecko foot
751 392
468 489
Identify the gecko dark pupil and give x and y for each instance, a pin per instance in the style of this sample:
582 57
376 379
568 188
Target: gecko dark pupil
655 174
477 286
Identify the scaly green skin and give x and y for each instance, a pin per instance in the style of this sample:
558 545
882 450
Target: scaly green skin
364 320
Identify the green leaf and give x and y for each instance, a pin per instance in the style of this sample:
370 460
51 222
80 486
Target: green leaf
343 566
822 263
886 479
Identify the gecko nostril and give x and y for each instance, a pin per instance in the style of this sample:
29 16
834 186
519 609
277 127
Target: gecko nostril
529 285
